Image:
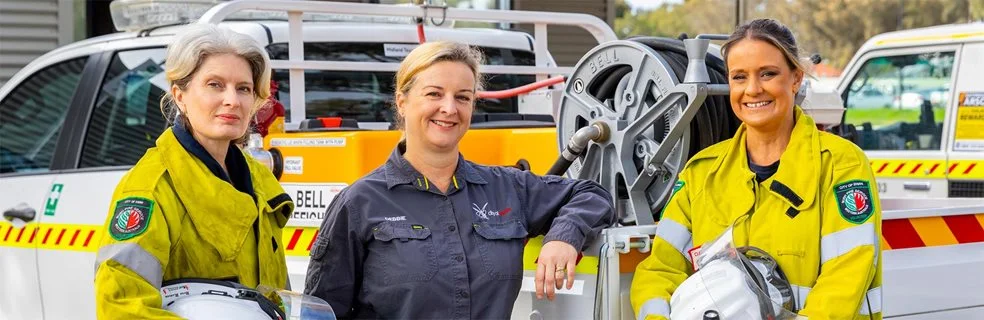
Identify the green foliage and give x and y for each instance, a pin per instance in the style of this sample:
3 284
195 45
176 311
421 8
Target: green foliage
692 17
833 28
880 117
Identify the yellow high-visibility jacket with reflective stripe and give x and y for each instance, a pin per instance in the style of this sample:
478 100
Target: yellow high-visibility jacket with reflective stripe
198 226
819 216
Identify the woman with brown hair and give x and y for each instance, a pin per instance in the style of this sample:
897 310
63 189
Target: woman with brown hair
803 196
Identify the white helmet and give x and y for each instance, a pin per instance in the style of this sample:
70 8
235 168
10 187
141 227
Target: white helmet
749 285
195 299
718 286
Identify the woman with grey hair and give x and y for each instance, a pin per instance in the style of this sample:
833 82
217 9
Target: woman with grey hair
196 206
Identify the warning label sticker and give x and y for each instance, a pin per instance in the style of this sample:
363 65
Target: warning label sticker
397 49
307 142
311 201
970 120
294 165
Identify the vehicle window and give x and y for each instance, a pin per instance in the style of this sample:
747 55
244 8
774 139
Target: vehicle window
368 96
31 116
127 118
899 102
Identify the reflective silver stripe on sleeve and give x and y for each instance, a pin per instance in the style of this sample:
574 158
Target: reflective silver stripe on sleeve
872 302
677 235
656 307
799 295
135 258
838 243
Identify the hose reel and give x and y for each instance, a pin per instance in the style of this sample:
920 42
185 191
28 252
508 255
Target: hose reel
634 111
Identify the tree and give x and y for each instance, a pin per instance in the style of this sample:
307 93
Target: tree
976 11
621 9
833 28
693 17
709 16
837 28
661 22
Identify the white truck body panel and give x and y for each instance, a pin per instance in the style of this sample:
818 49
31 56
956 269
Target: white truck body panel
920 283
56 282
20 292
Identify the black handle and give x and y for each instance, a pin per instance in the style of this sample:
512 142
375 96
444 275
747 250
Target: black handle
522 164
711 315
21 211
278 162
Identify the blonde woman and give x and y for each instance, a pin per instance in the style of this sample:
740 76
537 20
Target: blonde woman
430 235
195 206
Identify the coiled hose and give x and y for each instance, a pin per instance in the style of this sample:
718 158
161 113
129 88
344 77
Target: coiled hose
714 121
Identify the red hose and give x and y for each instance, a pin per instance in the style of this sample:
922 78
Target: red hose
420 33
509 93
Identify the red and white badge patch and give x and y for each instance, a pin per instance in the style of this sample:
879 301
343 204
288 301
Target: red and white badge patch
131 217
694 254
854 201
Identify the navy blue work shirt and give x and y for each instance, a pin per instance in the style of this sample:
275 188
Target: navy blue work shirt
392 245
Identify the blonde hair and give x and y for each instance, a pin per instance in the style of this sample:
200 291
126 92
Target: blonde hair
188 52
429 54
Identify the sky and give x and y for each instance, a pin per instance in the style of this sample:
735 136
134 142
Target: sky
649 4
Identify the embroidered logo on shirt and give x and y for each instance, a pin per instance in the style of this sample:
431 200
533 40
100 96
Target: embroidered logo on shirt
484 213
131 217
854 201
400 218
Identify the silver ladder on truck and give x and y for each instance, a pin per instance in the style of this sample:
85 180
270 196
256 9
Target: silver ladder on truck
296 12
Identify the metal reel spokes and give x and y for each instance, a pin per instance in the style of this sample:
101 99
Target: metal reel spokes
629 88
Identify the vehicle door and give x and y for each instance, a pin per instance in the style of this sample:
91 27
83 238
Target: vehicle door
120 121
32 119
897 100
966 154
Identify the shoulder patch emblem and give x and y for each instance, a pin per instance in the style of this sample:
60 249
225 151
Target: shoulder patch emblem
854 201
676 187
130 218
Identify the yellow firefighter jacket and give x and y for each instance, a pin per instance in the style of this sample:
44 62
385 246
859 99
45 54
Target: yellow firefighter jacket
819 216
173 217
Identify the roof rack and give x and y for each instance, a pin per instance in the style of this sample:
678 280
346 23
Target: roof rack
296 10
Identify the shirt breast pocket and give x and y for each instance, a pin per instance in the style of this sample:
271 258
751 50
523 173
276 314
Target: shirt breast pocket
501 247
795 237
404 253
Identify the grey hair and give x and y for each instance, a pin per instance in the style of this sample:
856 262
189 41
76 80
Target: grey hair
197 42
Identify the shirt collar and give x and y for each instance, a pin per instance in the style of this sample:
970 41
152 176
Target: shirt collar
235 160
399 171
796 185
